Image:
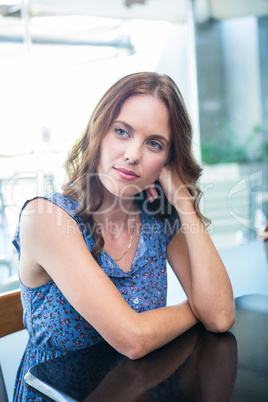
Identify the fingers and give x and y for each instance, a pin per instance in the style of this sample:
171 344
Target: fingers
167 176
151 193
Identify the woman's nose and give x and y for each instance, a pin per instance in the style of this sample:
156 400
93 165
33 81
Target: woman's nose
132 153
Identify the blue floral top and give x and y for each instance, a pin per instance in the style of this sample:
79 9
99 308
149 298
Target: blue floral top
55 327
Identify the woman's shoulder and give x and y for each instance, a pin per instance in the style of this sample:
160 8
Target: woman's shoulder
38 209
69 204
45 205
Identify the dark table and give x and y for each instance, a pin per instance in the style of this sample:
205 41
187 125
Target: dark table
197 366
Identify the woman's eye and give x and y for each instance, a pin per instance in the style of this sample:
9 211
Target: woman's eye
155 145
121 132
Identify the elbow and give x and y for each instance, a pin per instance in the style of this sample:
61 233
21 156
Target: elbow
217 320
136 350
219 326
137 346
222 324
135 353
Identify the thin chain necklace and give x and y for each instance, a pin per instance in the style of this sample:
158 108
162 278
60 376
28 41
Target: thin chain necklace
130 242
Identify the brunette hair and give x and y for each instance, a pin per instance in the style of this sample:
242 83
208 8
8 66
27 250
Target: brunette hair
81 165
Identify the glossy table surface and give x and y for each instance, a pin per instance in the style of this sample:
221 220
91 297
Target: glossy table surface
197 366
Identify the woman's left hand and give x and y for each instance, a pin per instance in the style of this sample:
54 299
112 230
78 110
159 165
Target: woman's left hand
176 192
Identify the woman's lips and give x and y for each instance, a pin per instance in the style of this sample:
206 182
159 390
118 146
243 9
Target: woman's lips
126 174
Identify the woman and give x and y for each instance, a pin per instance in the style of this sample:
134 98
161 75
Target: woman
94 256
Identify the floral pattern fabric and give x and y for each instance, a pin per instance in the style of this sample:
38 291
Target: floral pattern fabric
55 327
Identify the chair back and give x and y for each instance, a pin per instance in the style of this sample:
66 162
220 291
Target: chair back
11 313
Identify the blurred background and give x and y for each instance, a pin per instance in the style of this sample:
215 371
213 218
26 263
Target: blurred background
58 57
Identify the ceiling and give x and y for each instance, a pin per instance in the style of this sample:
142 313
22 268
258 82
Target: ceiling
169 10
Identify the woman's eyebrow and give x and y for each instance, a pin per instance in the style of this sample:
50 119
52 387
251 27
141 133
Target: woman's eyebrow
130 128
159 137
126 125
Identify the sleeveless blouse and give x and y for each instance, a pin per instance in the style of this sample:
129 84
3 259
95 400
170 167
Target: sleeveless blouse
55 327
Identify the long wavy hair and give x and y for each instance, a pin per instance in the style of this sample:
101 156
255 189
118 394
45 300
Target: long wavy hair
81 165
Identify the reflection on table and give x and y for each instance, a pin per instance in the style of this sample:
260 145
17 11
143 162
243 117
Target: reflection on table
197 366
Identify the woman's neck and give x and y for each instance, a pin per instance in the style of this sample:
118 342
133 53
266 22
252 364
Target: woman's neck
116 214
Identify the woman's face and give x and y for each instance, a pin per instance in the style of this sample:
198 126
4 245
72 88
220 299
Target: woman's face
136 147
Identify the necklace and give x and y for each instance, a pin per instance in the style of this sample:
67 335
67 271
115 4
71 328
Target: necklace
130 243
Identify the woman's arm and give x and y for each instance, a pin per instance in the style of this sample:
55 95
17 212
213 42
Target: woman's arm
52 245
196 262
